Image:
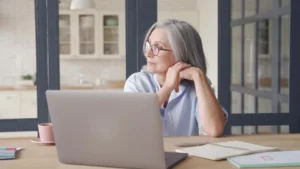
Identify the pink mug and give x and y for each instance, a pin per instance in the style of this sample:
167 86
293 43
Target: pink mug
46 132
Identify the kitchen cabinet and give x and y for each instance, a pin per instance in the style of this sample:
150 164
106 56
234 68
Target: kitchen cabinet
28 104
18 104
9 104
91 34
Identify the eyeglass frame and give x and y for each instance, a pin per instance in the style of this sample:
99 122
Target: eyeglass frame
159 48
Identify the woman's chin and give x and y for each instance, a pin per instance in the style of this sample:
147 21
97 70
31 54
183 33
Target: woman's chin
151 70
154 69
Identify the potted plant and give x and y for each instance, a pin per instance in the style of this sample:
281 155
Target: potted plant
26 80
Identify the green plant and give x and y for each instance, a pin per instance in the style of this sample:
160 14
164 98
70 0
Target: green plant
26 77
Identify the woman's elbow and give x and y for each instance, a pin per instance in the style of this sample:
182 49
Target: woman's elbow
216 131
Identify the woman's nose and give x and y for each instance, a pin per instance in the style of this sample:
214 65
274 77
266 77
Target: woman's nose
149 54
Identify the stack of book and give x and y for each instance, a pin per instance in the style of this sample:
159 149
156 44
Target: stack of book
7 153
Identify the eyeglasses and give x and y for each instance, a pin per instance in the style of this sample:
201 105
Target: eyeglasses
154 48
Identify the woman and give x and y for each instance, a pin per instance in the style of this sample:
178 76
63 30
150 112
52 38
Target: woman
176 71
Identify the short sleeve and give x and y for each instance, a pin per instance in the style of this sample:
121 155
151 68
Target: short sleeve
131 84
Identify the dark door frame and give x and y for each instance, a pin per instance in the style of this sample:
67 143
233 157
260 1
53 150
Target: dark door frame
140 15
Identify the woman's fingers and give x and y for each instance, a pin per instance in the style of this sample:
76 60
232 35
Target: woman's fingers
180 65
173 75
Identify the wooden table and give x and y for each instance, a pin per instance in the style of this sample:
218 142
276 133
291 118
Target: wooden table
44 157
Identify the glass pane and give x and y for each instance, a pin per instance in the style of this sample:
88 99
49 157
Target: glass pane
110 49
284 129
285 54
265 5
18 94
236 103
236 57
249 55
249 103
285 2
87 48
64 34
264 55
236 11
249 130
284 108
264 129
250 7
87 34
64 48
111 34
236 130
264 105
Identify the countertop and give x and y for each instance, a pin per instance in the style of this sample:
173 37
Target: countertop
108 85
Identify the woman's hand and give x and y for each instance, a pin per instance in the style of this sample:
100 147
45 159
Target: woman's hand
190 73
173 75
172 81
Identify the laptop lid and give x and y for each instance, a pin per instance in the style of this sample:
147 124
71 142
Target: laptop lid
107 128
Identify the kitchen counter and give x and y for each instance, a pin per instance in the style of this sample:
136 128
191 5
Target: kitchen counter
108 85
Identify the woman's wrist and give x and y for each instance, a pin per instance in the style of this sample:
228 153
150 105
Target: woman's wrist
166 89
163 94
201 83
198 75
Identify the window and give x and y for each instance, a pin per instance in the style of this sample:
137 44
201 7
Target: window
259 62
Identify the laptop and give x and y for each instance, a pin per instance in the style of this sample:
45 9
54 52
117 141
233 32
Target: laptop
109 129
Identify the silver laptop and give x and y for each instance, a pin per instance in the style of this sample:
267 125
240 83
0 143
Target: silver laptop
110 129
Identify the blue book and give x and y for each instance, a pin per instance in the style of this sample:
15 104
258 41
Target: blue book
7 153
268 159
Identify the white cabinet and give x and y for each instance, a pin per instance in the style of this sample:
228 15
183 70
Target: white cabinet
91 34
28 104
9 104
112 34
16 104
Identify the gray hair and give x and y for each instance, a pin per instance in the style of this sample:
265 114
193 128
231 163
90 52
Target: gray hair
185 42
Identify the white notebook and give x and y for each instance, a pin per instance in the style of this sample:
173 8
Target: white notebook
224 150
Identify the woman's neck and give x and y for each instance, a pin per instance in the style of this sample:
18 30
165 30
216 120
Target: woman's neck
161 79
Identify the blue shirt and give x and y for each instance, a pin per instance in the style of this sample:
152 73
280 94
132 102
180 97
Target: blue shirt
180 117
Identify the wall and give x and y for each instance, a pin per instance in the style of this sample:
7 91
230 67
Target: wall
17 39
208 30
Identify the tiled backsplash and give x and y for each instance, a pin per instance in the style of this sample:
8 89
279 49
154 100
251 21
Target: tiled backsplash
88 71
71 71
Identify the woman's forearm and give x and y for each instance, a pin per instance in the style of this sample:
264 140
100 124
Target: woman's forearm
210 111
163 95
